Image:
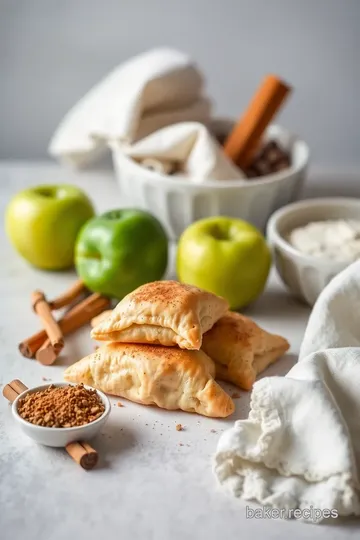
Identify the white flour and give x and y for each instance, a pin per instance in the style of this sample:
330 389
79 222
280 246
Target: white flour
336 240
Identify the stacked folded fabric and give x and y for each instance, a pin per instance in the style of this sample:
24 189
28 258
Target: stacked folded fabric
167 342
152 90
153 108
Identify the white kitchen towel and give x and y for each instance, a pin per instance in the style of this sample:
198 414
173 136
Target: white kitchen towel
300 446
150 91
192 149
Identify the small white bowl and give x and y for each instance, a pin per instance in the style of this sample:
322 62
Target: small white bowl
177 202
60 437
304 275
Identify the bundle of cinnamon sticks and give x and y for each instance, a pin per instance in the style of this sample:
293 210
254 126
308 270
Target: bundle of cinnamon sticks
47 344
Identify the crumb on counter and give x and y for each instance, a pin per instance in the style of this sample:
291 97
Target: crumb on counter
179 427
119 404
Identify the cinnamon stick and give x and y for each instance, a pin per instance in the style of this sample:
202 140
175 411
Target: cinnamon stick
13 389
46 354
68 296
81 452
79 315
52 328
243 142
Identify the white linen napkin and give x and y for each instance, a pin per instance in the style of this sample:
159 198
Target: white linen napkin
192 149
149 91
300 446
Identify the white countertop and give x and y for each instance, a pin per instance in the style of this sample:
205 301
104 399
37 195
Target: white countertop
152 482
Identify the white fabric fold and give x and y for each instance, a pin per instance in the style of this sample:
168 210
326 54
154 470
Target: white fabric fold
300 446
195 153
144 94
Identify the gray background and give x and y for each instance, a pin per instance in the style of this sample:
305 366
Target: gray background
51 52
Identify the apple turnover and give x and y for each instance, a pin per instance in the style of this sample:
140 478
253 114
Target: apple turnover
241 349
164 313
95 321
170 378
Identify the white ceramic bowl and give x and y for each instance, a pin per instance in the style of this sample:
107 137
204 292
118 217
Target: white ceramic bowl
60 437
304 275
177 202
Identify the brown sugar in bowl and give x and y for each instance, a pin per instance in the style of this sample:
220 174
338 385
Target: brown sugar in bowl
60 436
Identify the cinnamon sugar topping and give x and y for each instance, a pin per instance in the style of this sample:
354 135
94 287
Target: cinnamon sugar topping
61 407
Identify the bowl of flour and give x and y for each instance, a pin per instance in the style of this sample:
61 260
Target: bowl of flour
314 240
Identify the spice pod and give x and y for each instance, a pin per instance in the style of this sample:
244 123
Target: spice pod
73 439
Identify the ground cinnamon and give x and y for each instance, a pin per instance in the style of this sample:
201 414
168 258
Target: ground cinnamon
61 406
81 452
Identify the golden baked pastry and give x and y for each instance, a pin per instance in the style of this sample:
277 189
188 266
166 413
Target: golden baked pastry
95 321
165 313
170 378
241 349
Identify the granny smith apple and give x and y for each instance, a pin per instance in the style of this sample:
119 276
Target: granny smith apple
42 223
226 256
120 250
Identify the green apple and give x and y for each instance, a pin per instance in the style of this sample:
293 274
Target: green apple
226 256
42 223
120 250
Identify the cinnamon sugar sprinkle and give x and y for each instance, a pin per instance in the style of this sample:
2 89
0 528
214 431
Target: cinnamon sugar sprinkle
61 407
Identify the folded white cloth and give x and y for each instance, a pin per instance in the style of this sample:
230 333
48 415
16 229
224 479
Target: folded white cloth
150 91
300 446
191 147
